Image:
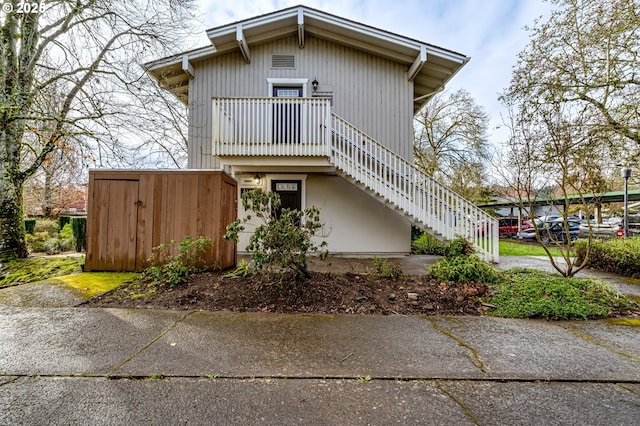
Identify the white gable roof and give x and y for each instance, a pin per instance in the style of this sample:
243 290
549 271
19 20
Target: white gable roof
429 66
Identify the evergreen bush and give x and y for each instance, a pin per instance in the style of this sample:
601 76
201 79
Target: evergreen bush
30 226
280 244
620 256
79 227
63 220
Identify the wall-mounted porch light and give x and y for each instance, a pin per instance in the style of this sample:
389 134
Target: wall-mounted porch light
315 83
256 179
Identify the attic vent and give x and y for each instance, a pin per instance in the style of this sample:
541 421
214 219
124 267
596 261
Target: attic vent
283 61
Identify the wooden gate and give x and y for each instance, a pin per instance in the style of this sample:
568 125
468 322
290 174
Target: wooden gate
130 212
116 219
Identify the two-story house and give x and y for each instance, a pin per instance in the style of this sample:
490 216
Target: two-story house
320 109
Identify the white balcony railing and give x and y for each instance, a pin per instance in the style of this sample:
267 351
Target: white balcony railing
270 126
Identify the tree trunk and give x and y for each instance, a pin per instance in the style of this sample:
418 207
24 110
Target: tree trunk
47 204
13 243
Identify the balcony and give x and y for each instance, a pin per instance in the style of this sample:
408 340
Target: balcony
271 127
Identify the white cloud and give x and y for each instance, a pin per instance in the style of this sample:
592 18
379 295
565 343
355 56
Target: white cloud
490 32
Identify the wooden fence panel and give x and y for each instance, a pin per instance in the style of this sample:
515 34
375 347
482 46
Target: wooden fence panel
130 212
114 236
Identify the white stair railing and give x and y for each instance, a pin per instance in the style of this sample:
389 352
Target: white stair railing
431 206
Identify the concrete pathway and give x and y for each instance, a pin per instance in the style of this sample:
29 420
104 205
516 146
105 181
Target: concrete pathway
65 365
112 366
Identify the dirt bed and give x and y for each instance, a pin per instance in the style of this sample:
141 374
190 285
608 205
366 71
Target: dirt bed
327 293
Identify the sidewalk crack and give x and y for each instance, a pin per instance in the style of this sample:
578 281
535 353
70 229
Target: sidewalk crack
160 336
9 381
629 388
475 358
599 343
467 412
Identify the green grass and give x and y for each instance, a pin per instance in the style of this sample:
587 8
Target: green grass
509 248
22 271
526 293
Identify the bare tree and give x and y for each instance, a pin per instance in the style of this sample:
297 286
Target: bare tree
450 142
82 48
160 126
586 55
552 148
574 99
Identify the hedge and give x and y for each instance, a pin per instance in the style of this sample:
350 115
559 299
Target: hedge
621 256
30 226
79 228
63 220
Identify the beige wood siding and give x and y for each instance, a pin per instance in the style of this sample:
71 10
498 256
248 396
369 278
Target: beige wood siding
370 92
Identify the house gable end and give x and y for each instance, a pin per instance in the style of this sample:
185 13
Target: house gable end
429 67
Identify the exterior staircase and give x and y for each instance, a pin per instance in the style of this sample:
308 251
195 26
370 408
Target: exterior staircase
397 183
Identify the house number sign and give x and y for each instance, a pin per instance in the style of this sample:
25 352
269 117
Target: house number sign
286 186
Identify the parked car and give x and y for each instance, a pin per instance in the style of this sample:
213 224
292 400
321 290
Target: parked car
508 226
606 229
611 228
529 233
551 231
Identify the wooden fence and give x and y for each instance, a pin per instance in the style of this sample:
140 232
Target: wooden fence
131 211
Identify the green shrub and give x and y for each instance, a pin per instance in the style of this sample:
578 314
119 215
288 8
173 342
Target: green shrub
49 226
30 226
172 270
66 239
458 247
43 241
385 269
37 241
527 293
621 256
79 227
464 269
426 244
63 220
280 244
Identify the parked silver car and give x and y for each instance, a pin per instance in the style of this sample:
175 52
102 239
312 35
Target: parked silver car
606 229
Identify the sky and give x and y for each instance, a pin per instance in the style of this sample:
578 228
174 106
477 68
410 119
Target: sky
491 32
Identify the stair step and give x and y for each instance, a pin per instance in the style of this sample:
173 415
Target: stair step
386 179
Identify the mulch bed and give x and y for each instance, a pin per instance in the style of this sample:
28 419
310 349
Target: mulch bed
326 293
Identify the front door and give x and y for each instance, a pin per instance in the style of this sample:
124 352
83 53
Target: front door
290 192
286 117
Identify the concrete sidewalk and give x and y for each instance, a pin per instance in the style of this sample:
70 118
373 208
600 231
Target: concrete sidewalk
111 366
